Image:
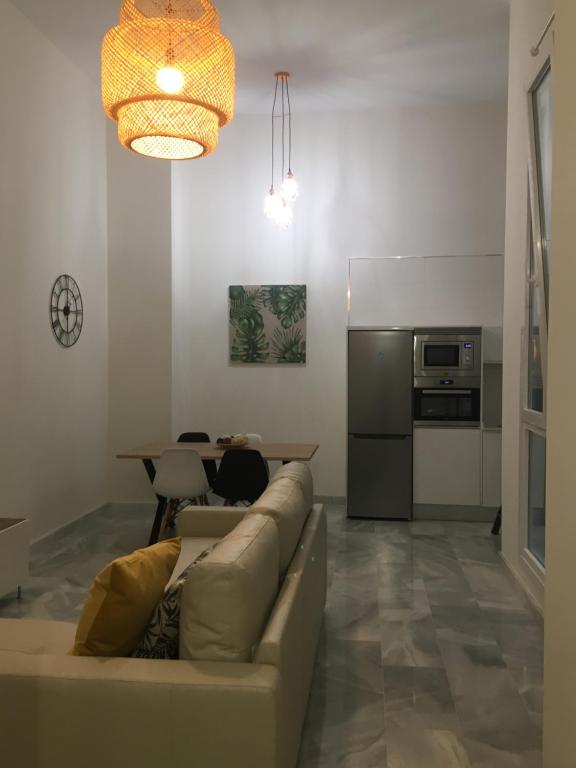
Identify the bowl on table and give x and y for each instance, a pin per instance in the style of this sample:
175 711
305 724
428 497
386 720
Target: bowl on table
232 441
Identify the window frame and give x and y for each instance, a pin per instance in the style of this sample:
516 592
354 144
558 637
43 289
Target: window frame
531 420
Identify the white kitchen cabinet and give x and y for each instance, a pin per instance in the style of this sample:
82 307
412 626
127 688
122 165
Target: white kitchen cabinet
492 344
447 466
427 292
491 468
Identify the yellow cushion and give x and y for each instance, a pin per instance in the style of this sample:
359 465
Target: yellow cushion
122 601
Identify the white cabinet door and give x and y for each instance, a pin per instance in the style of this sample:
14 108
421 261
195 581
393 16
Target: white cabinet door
491 469
447 466
492 344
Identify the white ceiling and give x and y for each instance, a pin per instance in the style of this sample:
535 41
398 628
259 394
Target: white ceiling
343 54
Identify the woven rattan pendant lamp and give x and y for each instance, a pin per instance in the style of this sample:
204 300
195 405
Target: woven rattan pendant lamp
168 77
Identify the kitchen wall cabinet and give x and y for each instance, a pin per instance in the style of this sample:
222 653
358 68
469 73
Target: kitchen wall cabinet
491 468
427 292
492 345
447 466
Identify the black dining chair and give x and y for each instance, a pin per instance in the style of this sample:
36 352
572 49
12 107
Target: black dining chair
210 466
242 476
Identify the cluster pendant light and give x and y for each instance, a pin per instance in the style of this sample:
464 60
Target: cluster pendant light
279 201
168 77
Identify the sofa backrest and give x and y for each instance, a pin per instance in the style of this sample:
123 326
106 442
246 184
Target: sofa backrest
300 473
288 501
291 636
227 597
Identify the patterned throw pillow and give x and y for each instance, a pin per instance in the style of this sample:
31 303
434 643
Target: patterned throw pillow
161 638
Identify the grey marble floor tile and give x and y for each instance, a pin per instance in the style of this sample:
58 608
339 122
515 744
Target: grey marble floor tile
393 533
395 552
410 746
486 756
348 617
407 605
410 643
476 549
398 577
419 694
442 574
490 708
494 585
428 528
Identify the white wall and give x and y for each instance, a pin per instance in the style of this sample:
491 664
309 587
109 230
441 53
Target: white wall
560 664
528 18
53 401
373 184
140 312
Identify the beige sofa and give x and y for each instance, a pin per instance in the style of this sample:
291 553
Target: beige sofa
258 597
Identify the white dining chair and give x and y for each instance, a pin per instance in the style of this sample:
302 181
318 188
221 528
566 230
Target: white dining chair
180 475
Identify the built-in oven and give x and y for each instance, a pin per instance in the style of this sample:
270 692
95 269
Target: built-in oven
445 406
447 353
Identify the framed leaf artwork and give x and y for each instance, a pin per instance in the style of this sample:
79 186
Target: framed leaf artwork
267 324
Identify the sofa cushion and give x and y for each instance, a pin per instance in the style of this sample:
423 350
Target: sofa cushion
302 475
162 636
122 600
284 501
190 549
227 598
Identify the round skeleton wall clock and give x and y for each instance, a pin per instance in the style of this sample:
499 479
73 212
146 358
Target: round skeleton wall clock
66 311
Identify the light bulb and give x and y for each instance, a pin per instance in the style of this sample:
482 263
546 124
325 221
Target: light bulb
170 80
285 215
290 190
272 204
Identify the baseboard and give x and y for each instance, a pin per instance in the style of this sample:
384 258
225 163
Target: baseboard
455 513
531 590
336 500
72 525
67 527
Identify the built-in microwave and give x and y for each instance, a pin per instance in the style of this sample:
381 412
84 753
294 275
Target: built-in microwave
447 354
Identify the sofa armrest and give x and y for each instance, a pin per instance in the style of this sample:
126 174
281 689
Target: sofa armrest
209 522
70 711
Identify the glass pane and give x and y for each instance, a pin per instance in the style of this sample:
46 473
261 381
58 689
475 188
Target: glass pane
441 355
543 132
537 496
535 383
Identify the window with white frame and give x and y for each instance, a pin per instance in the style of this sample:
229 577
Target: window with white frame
537 301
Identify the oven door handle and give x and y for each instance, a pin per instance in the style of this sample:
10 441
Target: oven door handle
446 391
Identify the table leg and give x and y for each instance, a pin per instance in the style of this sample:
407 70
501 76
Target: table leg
155 532
150 469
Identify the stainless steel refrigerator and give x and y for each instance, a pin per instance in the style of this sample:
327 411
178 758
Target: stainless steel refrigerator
380 423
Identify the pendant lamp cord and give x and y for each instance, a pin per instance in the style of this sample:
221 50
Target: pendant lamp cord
289 128
273 118
283 127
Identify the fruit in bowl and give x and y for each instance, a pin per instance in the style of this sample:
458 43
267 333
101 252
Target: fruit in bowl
232 441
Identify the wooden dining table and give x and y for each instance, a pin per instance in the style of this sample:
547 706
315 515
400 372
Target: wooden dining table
151 452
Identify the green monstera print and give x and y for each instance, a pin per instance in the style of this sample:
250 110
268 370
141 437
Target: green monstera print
249 342
287 302
288 346
268 324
